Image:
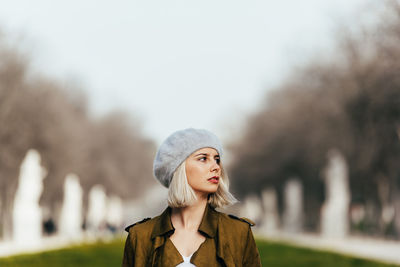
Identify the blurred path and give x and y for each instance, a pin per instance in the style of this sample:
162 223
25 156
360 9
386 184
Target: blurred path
375 249
9 248
47 243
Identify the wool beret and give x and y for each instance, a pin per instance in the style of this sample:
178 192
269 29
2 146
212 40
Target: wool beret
177 147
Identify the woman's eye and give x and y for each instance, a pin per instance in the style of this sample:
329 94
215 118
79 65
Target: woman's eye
203 158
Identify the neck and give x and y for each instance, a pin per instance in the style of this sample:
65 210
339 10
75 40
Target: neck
189 218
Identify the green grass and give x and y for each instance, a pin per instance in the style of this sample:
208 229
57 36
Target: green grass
99 254
279 255
110 254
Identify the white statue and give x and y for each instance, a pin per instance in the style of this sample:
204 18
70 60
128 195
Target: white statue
97 209
27 214
114 212
252 208
71 211
293 203
335 210
270 221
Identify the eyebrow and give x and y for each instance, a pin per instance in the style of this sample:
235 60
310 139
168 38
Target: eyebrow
205 154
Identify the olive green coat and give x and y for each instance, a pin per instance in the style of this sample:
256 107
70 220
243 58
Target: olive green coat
229 242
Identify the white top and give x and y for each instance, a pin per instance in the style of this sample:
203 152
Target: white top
186 262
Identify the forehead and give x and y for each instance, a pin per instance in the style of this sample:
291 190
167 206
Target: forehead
206 150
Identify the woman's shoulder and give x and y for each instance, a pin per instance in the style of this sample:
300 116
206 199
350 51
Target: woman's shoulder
144 225
136 223
231 219
233 229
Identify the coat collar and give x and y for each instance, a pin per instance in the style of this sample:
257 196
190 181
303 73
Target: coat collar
208 224
163 225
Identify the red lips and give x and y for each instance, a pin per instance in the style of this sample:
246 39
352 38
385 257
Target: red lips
214 179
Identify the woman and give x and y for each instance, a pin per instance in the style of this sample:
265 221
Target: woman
190 232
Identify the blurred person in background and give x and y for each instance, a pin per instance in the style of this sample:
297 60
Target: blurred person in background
190 232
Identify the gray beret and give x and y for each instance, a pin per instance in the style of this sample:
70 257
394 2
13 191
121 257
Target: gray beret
177 147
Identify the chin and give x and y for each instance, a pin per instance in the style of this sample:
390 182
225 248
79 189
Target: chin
208 190
211 190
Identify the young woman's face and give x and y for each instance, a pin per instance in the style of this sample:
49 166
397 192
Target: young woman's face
203 170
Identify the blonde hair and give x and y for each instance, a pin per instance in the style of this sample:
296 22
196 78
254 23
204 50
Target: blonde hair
181 194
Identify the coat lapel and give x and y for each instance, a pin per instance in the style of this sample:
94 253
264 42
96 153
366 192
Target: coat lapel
209 222
162 226
223 246
210 226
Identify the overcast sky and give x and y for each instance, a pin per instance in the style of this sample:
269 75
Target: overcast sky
175 63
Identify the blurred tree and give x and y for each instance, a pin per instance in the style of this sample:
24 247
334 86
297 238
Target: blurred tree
37 112
350 103
13 68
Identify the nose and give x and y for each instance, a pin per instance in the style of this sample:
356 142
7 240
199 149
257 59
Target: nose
215 167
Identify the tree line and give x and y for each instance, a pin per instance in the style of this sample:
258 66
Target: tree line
39 112
348 100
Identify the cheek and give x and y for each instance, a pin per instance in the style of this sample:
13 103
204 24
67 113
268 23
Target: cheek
194 173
